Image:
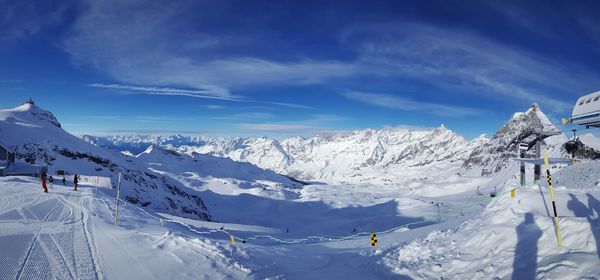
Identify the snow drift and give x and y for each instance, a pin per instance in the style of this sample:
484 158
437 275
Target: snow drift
516 237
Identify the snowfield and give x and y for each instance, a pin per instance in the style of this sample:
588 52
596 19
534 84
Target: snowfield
190 215
515 237
71 235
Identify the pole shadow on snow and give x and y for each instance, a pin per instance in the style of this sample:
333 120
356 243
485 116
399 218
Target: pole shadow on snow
544 200
594 205
577 207
581 210
525 260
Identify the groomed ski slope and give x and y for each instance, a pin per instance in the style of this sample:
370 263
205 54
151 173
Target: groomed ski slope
87 245
71 235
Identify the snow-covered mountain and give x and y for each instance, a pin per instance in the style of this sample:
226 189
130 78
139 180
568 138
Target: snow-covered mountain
36 137
494 155
374 156
138 143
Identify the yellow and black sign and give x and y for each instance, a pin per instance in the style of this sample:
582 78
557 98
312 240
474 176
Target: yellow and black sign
373 239
549 177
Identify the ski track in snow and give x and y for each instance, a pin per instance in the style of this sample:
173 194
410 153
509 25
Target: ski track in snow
52 239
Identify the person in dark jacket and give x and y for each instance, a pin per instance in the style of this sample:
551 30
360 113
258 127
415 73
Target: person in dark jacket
75 180
43 177
51 181
64 180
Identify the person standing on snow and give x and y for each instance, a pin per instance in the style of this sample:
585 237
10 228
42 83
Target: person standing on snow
64 180
43 177
75 180
51 181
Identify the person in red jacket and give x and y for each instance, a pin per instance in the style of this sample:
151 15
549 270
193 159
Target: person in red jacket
75 180
43 177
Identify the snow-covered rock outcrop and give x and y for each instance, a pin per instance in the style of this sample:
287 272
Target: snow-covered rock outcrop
36 136
494 155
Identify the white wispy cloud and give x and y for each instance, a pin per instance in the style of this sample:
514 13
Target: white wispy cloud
459 60
280 128
133 42
167 91
219 94
144 119
157 131
21 19
214 107
305 126
407 104
245 116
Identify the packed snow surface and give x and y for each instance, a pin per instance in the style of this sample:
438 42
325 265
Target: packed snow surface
515 237
186 214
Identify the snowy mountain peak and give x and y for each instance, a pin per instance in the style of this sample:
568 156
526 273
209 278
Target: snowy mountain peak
494 155
36 137
26 110
158 152
533 119
357 156
149 150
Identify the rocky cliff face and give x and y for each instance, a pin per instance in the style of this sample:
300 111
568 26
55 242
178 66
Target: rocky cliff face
494 155
579 150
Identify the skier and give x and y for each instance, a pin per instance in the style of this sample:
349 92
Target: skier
478 193
64 180
494 193
43 177
75 180
51 180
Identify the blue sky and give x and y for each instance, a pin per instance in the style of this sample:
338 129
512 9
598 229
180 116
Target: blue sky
281 68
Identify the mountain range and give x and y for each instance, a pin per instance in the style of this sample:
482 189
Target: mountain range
385 156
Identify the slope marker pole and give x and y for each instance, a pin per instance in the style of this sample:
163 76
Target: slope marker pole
558 238
373 239
117 202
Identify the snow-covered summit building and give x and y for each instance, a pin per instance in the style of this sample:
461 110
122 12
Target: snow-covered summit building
7 158
39 143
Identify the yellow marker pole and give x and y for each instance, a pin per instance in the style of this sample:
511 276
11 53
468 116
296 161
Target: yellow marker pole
232 240
373 239
558 239
513 193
